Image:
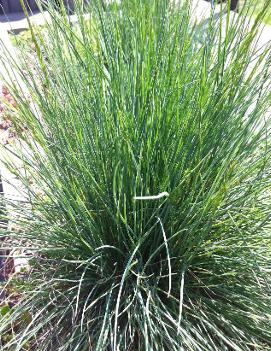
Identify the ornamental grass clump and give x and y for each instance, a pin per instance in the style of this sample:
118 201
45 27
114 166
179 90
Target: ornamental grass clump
145 153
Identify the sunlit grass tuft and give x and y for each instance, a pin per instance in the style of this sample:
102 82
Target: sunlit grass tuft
147 166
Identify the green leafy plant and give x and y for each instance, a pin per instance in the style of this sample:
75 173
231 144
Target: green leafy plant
146 162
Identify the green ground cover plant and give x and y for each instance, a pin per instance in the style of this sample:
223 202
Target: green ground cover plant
146 161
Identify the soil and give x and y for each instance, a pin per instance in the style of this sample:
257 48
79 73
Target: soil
7 108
